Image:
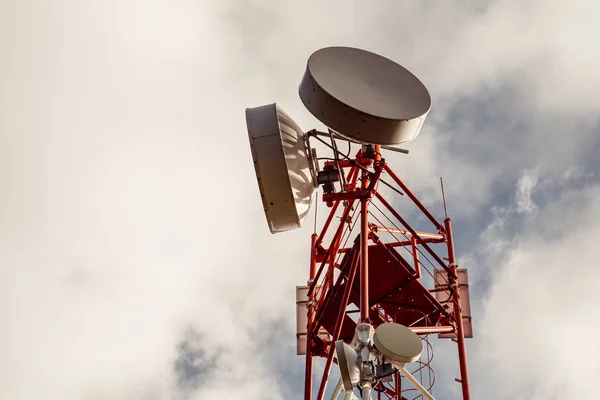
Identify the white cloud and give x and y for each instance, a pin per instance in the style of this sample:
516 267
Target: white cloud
537 318
525 185
129 211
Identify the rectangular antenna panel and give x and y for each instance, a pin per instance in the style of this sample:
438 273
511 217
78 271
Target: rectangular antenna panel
441 282
302 320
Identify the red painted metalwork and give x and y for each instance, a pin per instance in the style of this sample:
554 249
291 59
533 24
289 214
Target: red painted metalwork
438 237
460 335
364 251
413 198
309 364
393 262
431 329
338 326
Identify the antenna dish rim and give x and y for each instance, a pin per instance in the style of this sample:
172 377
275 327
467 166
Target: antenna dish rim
364 96
386 60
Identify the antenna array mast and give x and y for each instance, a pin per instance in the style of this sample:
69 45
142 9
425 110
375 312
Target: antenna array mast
378 288
380 275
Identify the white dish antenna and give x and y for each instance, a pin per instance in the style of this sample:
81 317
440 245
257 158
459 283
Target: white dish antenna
398 344
364 96
283 164
391 344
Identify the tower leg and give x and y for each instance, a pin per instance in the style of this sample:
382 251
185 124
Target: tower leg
364 253
310 311
460 333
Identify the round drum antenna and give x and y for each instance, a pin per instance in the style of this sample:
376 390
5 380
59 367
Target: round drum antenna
283 165
364 96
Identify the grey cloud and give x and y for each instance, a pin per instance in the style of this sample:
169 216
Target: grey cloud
193 366
534 302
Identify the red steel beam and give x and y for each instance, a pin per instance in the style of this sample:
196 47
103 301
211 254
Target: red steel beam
422 235
398 386
338 326
460 334
413 197
309 361
424 330
328 222
396 244
332 250
414 233
364 260
415 252
367 187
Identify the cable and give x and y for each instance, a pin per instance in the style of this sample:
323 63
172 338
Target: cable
352 162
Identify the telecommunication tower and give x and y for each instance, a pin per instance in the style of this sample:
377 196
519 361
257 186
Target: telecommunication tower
378 289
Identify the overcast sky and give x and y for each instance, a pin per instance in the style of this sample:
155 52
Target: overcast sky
135 262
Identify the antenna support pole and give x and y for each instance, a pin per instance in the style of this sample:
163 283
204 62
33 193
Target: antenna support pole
460 332
310 311
364 251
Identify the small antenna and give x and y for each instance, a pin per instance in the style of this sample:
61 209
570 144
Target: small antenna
443 197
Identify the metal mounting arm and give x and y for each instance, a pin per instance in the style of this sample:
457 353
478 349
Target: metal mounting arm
416 384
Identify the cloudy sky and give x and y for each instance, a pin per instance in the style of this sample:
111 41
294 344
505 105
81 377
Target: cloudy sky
135 260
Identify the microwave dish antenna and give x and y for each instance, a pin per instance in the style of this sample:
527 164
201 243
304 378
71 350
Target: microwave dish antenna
397 343
364 96
283 164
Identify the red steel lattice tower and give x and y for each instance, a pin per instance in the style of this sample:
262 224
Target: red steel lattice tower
370 266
